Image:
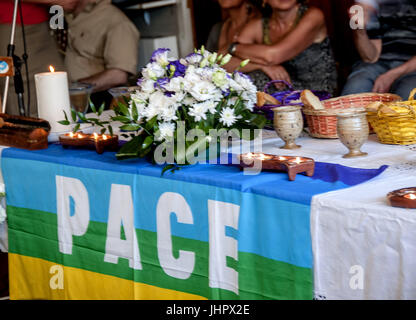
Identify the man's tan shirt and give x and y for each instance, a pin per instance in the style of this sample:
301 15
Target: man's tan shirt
101 37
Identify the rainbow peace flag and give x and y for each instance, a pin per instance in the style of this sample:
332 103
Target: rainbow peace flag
87 226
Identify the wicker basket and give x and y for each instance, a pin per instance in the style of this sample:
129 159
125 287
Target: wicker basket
323 123
396 128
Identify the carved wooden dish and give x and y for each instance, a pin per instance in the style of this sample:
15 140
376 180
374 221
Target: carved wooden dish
290 164
92 141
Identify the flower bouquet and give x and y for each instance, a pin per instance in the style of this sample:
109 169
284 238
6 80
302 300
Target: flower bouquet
181 105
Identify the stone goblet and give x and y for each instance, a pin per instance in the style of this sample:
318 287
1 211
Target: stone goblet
353 131
288 124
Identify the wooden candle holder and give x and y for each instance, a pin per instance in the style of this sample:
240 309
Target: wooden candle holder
403 198
92 141
291 165
24 132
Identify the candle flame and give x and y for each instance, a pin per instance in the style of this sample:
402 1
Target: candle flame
249 155
95 136
282 158
80 135
71 134
411 196
52 69
104 137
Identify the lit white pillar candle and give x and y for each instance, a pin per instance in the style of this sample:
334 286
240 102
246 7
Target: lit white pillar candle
53 98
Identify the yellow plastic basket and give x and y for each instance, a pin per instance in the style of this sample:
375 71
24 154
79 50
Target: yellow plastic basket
396 128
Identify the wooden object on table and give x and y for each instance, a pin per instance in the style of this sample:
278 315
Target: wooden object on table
403 198
290 164
264 98
23 132
92 141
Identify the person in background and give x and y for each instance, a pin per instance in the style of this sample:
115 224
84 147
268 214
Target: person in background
41 46
387 47
102 47
293 39
239 13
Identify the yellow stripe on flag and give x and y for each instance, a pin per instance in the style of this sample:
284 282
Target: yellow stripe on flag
34 278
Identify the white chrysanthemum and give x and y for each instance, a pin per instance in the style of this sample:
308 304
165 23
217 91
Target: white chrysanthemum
169 113
228 117
153 71
205 90
234 85
198 111
166 130
210 106
244 81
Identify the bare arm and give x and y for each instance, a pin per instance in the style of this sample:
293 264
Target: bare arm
384 82
368 49
305 33
107 79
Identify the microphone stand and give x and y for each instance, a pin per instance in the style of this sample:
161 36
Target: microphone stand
17 62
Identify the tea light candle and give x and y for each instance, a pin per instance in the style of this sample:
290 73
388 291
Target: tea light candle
403 198
411 196
53 97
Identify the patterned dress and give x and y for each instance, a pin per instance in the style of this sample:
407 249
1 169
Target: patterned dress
313 69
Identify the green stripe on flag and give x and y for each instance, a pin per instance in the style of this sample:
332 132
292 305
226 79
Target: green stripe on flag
35 234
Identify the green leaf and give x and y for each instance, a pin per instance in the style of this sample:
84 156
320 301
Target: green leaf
102 131
110 130
134 112
64 122
121 119
131 149
92 106
66 117
100 111
81 117
123 109
130 127
73 115
76 128
147 142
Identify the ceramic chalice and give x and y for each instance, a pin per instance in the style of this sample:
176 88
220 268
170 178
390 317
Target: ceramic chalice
288 124
353 131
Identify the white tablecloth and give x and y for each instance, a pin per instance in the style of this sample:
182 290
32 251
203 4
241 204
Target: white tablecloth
363 248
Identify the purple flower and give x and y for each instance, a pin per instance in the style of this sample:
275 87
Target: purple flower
140 81
161 83
179 68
